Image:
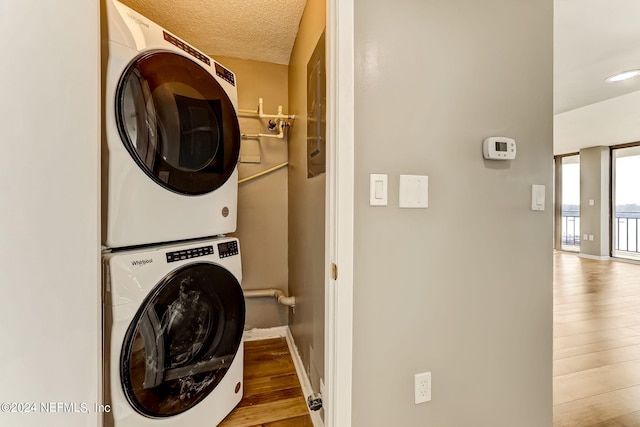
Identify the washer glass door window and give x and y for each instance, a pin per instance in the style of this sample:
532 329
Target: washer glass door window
182 340
177 122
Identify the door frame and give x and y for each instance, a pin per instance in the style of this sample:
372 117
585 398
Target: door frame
339 222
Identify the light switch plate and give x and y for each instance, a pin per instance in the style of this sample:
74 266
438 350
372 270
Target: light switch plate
537 197
414 191
377 189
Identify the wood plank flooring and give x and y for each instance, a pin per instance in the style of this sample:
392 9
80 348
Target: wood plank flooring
596 349
272 393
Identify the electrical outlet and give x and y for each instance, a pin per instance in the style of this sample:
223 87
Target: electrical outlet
422 387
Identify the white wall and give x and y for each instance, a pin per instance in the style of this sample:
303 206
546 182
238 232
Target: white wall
462 289
49 241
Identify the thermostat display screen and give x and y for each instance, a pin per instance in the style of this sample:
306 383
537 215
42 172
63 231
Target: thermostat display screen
501 146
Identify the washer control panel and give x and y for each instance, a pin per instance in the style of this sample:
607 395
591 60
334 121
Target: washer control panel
189 253
227 249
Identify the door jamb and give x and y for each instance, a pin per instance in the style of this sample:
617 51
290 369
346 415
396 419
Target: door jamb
339 226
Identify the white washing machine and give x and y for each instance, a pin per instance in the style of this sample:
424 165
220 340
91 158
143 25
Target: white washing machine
171 138
173 318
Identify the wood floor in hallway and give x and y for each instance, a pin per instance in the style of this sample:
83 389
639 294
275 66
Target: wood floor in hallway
596 351
272 393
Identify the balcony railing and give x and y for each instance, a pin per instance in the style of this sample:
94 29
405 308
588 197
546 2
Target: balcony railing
627 234
570 228
626 231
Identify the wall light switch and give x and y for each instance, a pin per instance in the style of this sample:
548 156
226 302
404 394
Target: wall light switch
414 191
592 202
377 189
537 197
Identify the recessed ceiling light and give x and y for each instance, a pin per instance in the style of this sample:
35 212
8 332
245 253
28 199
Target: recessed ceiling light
623 76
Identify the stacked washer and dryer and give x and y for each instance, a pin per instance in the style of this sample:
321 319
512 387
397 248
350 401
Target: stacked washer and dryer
173 307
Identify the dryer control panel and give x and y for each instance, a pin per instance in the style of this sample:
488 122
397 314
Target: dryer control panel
227 249
189 253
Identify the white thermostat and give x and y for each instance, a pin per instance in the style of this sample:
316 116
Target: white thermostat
499 148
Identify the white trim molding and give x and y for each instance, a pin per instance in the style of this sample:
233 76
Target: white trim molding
339 213
305 383
595 257
265 334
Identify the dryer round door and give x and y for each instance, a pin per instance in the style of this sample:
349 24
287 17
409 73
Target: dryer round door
177 122
182 340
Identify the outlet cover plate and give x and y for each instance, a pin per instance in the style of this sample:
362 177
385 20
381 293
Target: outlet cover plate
422 387
414 191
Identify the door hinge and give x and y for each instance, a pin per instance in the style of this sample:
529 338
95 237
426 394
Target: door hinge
334 272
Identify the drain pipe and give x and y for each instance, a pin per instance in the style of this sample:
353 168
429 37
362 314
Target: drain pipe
262 115
281 125
276 293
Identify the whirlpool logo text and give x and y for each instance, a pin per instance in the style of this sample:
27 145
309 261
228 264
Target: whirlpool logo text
141 262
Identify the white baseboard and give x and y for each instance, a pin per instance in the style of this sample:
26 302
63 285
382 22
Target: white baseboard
316 419
265 334
595 257
284 332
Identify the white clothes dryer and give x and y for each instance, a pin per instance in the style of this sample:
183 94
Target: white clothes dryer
173 318
171 138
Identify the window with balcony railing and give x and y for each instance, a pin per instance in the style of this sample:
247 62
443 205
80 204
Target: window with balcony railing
626 202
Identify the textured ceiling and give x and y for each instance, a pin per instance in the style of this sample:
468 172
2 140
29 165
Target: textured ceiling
262 30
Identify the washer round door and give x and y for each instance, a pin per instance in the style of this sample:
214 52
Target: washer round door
177 122
182 340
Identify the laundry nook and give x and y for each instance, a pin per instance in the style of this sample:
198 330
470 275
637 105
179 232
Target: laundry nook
187 185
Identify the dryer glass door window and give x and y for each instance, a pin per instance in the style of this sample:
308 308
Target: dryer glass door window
182 340
178 123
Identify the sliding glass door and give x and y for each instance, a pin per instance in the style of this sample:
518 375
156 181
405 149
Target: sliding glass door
570 202
626 202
